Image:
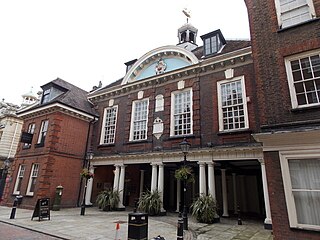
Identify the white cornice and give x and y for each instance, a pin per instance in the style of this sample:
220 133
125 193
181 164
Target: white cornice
289 140
54 107
201 155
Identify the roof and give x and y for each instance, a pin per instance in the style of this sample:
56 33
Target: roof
72 96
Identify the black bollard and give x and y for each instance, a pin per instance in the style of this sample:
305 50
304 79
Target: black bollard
14 208
239 216
180 228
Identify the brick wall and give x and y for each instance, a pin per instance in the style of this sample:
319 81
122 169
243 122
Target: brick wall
279 214
60 160
270 46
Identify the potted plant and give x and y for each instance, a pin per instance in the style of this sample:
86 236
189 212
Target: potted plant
150 202
184 173
108 199
204 208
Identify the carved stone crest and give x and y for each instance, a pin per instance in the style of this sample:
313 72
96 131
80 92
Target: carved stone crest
160 67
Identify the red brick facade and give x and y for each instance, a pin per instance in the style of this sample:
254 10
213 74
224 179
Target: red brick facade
270 46
60 160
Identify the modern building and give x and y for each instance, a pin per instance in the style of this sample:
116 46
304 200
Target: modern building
286 52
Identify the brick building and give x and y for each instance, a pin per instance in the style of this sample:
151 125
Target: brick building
205 95
250 111
59 127
286 47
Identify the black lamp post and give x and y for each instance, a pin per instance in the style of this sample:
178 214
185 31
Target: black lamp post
185 149
89 157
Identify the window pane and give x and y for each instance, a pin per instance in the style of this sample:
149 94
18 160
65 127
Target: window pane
232 105
110 125
305 181
305 74
182 113
140 120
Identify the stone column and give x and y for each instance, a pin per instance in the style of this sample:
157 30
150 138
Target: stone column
178 195
211 180
141 182
116 178
89 189
121 185
202 179
160 184
224 193
267 221
154 177
235 202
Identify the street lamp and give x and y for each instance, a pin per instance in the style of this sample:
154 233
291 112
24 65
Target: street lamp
184 145
89 157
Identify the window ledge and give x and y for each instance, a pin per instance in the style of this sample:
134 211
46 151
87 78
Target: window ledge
38 145
306 108
26 147
182 136
106 145
239 131
137 141
305 228
297 25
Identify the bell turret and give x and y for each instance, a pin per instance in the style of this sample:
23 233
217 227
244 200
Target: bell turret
29 98
187 35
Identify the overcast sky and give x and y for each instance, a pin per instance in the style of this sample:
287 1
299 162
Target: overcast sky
87 41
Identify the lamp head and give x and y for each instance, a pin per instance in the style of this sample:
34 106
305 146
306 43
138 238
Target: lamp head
184 145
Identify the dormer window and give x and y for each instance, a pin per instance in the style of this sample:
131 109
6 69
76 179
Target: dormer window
213 42
46 96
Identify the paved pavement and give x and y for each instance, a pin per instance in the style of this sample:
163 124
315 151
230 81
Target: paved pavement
98 225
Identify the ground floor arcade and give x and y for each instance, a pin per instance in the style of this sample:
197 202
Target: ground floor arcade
235 177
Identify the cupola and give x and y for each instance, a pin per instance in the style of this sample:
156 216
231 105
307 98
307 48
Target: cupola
187 35
29 98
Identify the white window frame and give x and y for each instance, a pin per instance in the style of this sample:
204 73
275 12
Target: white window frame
33 176
244 103
293 96
20 175
43 131
172 125
285 156
31 128
103 129
281 23
134 103
46 96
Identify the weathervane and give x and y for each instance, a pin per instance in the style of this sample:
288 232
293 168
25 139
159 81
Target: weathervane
187 13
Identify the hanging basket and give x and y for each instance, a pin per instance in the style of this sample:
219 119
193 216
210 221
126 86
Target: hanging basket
184 173
85 173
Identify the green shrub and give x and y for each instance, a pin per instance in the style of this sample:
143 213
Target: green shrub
150 202
204 208
108 199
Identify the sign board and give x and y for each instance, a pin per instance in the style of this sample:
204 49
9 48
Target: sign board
42 209
26 137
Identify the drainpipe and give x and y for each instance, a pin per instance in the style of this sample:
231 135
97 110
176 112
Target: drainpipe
84 158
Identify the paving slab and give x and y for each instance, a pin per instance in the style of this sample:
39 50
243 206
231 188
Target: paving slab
98 225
